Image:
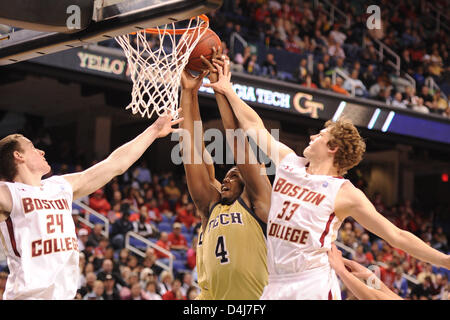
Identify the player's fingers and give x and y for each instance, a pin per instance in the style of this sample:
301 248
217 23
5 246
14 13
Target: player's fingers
208 64
226 68
221 62
203 74
351 264
218 67
177 121
214 54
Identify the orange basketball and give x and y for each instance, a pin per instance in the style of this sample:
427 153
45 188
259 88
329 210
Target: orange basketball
204 47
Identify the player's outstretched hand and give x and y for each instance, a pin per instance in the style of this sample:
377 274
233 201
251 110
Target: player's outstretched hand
164 125
190 82
336 260
223 84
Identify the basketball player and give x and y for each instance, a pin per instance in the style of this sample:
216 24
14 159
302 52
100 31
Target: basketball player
231 250
36 225
309 201
352 279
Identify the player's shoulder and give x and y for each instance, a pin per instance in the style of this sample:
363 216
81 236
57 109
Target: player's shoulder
4 189
349 188
293 160
349 195
57 180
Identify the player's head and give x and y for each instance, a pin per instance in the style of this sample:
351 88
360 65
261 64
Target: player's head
232 186
15 151
339 141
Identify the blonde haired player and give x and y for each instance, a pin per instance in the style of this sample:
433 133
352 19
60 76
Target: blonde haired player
231 249
309 201
36 225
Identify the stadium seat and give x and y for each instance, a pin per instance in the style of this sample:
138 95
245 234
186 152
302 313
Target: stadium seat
178 255
94 219
166 219
188 237
137 243
165 227
184 229
179 266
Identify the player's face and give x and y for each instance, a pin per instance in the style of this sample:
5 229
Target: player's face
232 186
318 148
34 158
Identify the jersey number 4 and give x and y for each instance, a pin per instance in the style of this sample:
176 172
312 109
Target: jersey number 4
221 250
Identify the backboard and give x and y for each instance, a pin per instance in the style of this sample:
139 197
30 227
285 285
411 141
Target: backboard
110 18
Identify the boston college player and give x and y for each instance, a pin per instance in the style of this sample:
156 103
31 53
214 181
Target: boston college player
36 225
309 201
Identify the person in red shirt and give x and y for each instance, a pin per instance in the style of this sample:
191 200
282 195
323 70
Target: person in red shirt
186 215
176 239
387 275
154 215
164 243
191 254
99 203
308 82
175 292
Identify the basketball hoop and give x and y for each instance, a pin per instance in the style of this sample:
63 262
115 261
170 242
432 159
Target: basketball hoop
156 67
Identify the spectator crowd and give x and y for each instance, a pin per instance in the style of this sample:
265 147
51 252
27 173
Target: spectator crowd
299 42
343 56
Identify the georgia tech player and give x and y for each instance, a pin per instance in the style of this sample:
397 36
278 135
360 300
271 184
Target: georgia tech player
37 229
231 250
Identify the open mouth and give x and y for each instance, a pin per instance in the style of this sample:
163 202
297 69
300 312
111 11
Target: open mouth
225 188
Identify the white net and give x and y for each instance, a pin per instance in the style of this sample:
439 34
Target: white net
156 59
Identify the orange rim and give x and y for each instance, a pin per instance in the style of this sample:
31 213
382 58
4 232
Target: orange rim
174 31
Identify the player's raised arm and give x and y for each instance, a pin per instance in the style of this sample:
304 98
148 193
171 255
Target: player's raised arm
248 119
93 178
200 178
352 201
257 184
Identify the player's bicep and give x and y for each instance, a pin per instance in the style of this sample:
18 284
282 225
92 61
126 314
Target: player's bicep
362 210
202 188
273 148
85 182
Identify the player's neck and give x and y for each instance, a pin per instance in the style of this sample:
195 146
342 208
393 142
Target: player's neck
29 178
322 168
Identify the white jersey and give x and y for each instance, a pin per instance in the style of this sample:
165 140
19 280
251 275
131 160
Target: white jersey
40 241
302 224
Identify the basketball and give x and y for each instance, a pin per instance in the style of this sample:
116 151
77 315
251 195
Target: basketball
204 47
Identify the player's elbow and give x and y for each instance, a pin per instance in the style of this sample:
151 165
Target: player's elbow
252 127
396 237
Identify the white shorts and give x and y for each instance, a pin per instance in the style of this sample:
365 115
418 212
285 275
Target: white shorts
315 284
